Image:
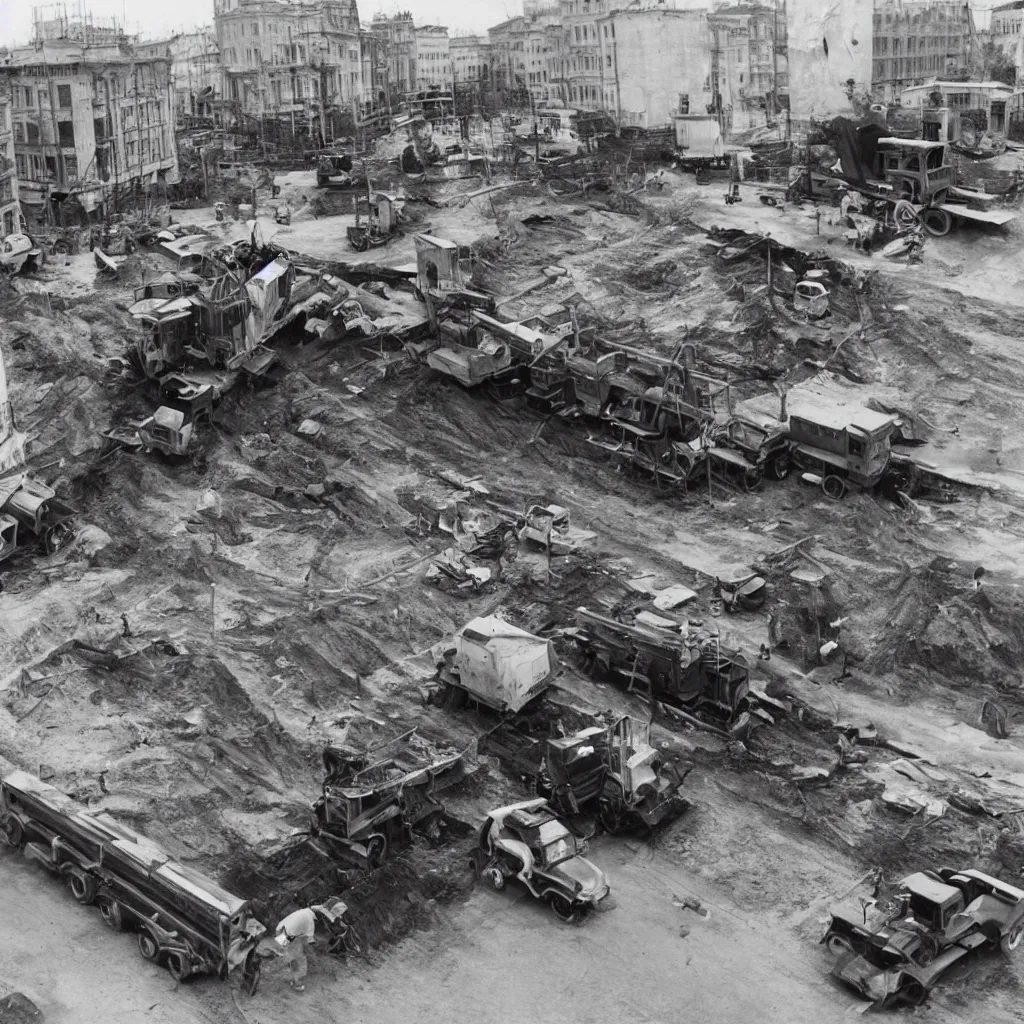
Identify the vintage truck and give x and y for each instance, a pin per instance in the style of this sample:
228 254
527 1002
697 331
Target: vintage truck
183 920
371 801
37 510
692 672
896 952
529 843
609 771
495 664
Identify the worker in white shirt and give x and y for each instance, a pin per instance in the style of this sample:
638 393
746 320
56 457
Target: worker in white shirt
297 932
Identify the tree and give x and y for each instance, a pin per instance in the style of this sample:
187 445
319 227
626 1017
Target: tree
998 66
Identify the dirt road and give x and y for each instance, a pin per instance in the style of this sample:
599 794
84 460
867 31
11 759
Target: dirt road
495 952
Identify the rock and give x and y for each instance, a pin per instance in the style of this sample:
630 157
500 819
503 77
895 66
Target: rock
315 491
19 1009
91 540
684 930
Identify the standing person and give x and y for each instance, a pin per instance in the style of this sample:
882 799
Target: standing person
297 932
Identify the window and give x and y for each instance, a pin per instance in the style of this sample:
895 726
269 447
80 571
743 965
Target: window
33 133
64 96
19 131
684 103
30 101
22 164
71 166
609 59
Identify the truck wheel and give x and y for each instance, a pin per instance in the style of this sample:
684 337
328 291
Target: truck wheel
12 832
1011 940
779 468
914 993
834 487
110 911
376 850
148 946
454 697
493 877
564 910
82 885
838 945
937 222
178 966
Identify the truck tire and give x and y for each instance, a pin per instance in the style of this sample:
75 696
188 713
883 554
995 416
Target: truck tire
81 884
838 945
833 487
779 467
376 850
1011 940
178 966
148 946
110 911
564 910
12 832
937 222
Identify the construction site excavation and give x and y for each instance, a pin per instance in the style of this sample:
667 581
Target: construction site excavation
518 526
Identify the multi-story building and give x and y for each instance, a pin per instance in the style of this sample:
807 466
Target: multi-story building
748 62
471 58
580 74
917 40
90 122
656 63
10 211
295 59
1005 27
522 50
195 70
396 37
433 59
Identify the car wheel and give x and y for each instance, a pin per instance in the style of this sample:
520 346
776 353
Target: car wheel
839 945
834 487
564 909
1011 940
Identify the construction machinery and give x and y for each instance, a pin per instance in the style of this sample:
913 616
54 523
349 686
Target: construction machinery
377 220
371 801
609 771
495 664
689 669
183 920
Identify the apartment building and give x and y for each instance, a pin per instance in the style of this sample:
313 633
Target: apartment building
397 66
433 59
656 62
523 51
579 73
195 70
471 58
90 122
748 62
918 40
290 58
1005 27
10 211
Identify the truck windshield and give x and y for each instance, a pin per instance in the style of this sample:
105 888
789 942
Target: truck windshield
559 850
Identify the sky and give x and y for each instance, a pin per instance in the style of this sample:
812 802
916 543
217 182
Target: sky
154 20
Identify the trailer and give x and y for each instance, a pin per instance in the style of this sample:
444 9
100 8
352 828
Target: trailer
183 920
496 664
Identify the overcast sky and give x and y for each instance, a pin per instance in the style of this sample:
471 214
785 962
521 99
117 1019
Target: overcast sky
158 19
155 19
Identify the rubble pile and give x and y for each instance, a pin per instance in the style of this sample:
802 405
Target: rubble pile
614 501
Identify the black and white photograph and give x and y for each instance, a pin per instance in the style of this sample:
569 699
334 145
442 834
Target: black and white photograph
511 511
